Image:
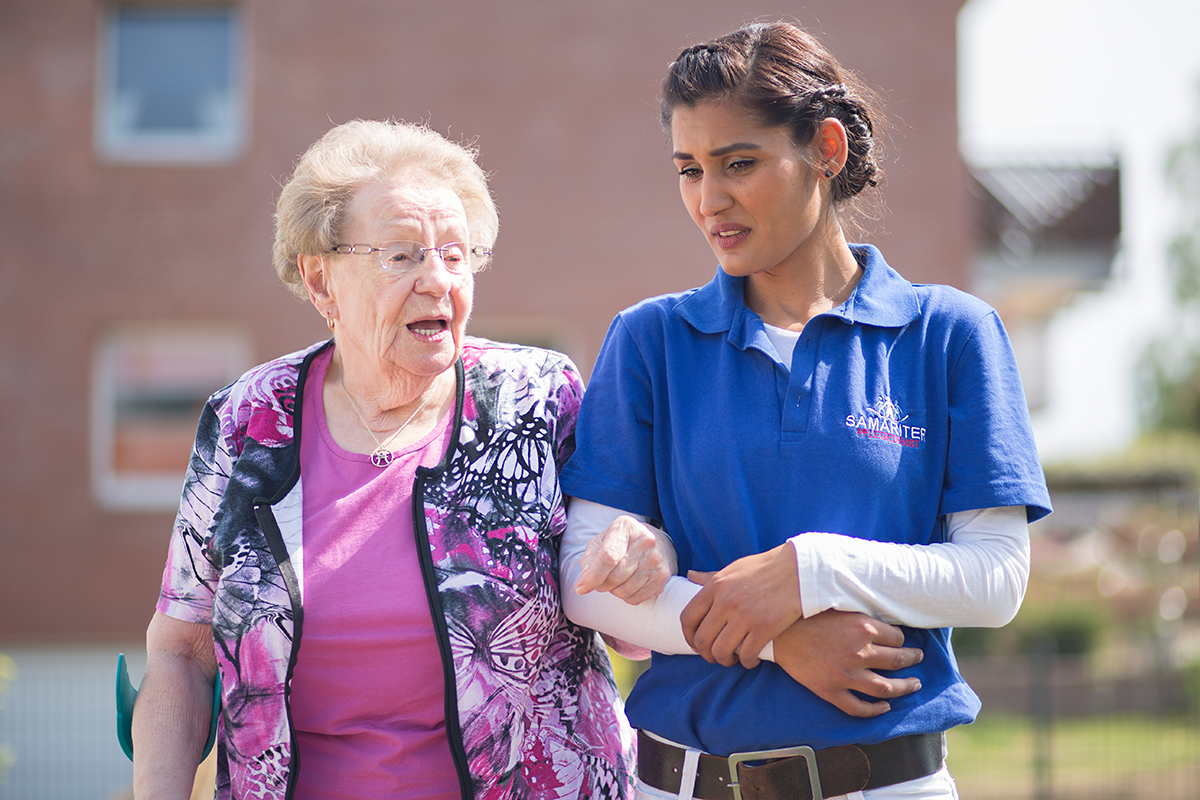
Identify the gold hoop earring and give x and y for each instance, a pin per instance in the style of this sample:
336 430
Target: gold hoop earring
329 322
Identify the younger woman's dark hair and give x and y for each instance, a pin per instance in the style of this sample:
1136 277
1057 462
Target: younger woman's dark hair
786 78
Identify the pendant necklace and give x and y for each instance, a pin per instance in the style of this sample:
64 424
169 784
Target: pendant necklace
382 456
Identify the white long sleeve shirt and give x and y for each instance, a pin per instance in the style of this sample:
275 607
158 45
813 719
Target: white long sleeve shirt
976 579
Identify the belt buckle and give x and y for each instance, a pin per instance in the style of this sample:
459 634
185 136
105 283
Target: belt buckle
807 753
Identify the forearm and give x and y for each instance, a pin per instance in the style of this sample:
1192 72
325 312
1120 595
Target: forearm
652 625
977 579
171 720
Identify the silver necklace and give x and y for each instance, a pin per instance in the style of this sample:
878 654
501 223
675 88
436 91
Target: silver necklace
382 456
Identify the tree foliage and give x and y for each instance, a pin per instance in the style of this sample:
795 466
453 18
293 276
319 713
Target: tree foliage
1172 364
1183 254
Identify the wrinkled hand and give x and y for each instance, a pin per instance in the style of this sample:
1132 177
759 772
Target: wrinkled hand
836 651
630 559
742 607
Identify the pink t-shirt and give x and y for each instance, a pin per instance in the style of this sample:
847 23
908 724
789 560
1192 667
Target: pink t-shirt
368 693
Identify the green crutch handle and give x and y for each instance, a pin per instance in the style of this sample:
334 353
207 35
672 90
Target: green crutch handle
126 695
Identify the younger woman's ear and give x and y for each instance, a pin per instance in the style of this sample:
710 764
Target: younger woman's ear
832 145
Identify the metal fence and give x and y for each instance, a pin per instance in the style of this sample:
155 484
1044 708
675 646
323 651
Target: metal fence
1068 728
1053 728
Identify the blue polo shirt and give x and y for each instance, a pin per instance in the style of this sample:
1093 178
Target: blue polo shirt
900 406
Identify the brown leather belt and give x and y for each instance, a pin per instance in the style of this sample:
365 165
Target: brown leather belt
784 774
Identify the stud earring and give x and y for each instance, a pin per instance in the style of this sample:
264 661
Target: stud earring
828 173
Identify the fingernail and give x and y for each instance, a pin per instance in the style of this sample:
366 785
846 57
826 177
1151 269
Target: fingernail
917 688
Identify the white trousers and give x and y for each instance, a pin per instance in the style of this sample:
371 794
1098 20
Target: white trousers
938 786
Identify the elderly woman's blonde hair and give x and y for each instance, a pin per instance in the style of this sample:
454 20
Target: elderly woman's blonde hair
312 206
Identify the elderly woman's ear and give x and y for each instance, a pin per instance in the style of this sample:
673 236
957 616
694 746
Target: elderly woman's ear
316 281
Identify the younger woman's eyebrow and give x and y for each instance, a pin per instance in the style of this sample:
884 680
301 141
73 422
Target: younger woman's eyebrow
720 151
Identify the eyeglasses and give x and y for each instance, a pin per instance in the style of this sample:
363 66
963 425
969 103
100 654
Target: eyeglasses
401 258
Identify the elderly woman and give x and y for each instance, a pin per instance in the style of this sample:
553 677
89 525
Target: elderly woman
380 594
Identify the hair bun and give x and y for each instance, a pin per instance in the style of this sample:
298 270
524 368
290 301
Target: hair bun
785 77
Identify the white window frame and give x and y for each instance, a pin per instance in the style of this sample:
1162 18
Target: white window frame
117 142
148 490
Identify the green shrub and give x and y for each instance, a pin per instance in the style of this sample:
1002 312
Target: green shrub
1064 629
8 672
974 642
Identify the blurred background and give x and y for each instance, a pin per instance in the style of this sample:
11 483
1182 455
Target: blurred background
1043 154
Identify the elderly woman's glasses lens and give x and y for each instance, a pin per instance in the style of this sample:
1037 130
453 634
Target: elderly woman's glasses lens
402 257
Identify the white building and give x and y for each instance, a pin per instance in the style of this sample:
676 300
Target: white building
1087 83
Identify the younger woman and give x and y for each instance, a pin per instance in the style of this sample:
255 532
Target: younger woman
829 439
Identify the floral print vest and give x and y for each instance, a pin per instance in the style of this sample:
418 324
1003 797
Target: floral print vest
532 710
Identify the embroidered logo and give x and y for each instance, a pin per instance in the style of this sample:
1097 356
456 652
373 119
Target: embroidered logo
886 422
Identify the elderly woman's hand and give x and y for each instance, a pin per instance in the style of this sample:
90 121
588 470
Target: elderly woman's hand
629 559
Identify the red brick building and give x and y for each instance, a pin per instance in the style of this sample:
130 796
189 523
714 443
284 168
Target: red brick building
135 268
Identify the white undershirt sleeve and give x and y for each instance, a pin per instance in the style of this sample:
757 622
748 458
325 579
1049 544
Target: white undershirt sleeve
652 625
977 579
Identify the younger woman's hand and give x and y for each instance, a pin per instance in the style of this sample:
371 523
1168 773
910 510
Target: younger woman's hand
743 607
835 652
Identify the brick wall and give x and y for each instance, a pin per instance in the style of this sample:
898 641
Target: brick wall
561 99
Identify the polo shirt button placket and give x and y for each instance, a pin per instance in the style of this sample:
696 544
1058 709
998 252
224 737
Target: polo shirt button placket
804 363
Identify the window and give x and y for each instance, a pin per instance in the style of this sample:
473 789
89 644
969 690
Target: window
170 84
149 386
547 332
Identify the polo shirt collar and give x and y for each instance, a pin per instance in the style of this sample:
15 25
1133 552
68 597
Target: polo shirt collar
882 299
